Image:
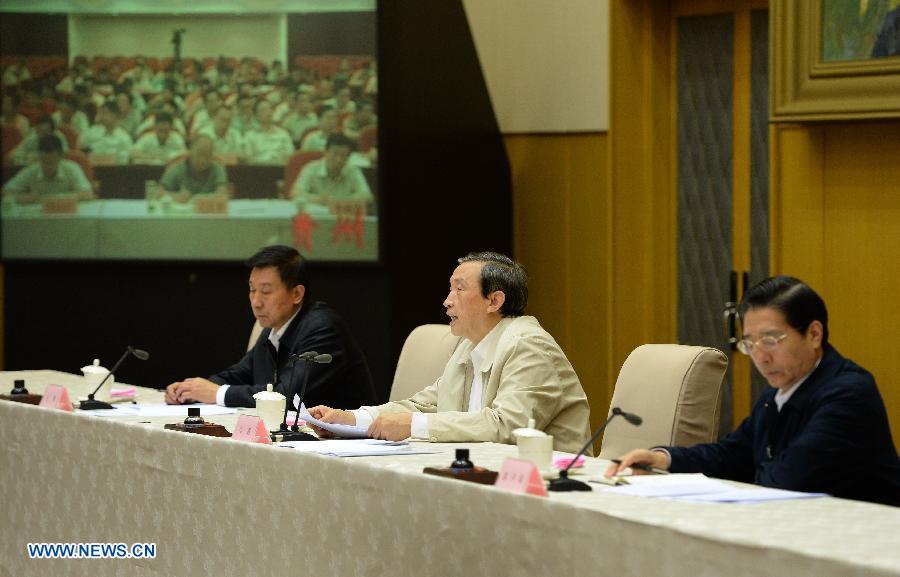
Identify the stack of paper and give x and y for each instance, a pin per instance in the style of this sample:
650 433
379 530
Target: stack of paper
361 448
700 488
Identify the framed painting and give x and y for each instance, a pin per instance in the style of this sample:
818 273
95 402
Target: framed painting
834 59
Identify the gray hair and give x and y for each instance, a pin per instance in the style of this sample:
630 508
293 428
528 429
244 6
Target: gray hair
501 273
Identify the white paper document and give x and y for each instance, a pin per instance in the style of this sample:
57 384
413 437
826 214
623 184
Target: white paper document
697 487
356 448
161 410
669 485
343 431
735 495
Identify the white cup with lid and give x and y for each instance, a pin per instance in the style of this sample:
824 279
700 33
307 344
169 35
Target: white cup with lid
270 407
534 445
93 375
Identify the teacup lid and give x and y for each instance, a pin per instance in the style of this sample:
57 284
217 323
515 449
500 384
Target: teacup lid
94 369
268 395
529 431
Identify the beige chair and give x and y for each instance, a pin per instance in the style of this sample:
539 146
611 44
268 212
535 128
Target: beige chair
254 334
422 359
676 389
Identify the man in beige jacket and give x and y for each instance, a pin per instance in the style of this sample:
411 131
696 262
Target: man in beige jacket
506 370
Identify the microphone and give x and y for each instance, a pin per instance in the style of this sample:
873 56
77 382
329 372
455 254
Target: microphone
630 417
293 433
564 483
90 404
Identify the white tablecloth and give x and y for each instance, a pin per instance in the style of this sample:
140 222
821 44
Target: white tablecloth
221 507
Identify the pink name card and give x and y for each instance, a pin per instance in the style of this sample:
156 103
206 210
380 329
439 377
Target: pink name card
521 476
251 429
56 397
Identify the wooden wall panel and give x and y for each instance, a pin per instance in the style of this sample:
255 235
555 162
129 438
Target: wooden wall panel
837 215
561 235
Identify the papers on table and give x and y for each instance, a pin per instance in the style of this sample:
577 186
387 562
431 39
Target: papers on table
356 448
344 431
160 410
700 488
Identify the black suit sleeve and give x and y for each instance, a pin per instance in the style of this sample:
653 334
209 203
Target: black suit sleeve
240 373
730 458
343 383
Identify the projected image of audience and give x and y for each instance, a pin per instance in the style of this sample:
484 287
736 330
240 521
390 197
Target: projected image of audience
191 155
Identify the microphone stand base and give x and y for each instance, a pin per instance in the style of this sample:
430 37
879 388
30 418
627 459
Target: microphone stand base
282 436
27 398
563 484
93 405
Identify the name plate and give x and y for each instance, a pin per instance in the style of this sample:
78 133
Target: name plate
56 397
519 476
252 430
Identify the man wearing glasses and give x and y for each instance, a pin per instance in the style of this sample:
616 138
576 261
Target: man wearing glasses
822 427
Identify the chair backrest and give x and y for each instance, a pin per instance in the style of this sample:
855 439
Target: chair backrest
254 334
676 389
422 359
12 136
368 138
71 136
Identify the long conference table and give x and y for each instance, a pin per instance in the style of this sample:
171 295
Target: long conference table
138 229
216 506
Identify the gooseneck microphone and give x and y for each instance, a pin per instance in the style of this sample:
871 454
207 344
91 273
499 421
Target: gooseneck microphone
91 404
564 483
293 433
630 417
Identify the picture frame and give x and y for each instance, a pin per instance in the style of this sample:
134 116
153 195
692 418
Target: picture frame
805 87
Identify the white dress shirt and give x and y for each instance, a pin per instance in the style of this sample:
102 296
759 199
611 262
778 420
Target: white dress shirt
275 339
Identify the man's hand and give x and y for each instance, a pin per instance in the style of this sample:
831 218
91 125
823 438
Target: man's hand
192 390
657 459
182 196
391 427
330 415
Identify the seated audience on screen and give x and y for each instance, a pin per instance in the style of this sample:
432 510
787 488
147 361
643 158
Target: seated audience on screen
148 124
130 117
123 95
821 427
506 370
293 324
106 137
330 181
227 140
11 115
245 120
318 139
160 145
301 118
268 144
362 118
68 115
27 151
198 173
50 175
203 117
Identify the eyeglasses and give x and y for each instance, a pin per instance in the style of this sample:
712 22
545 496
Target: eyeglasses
765 343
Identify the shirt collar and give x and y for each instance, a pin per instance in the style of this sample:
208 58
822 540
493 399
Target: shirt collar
783 395
483 354
275 336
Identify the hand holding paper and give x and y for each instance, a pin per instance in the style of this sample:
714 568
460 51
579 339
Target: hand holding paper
333 422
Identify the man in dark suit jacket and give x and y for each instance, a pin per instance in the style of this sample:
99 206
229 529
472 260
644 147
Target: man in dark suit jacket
279 287
822 427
